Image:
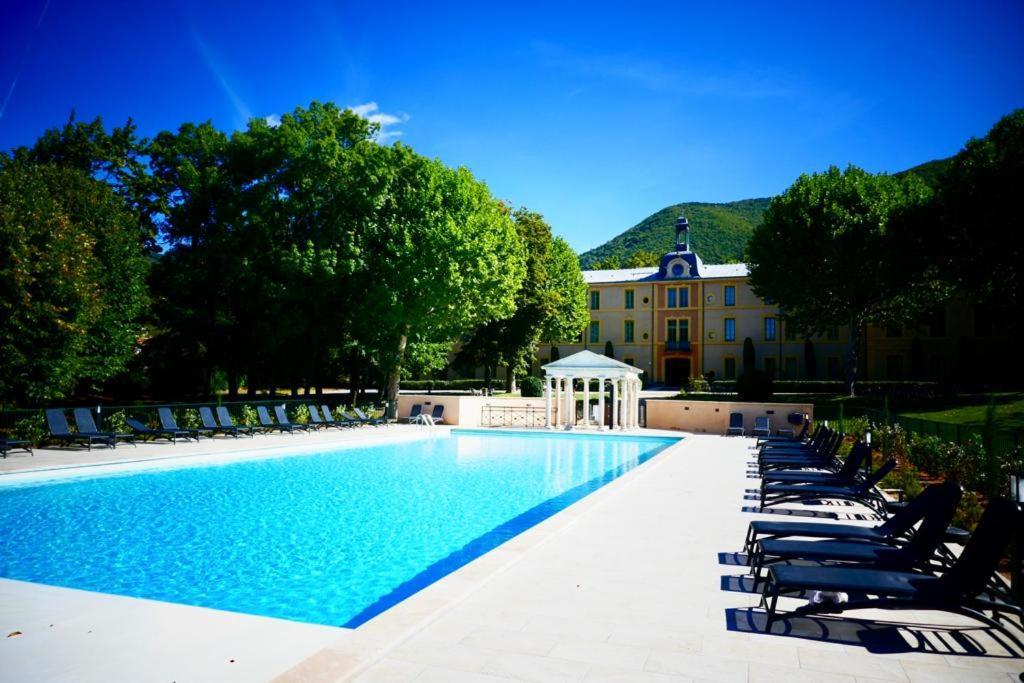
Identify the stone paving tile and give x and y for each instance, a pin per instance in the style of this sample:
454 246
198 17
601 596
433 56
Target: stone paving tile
773 673
854 665
755 652
699 667
660 638
929 673
604 653
438 674
603 674
512 641
535 669
390 671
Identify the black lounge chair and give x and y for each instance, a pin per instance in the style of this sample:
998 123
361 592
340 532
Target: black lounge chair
225 421
8 445
762 426
735 425
843 475
939 503
211 424
147 432
962 589
282 419
896 527
366 419
86 425
329 419
862 492
786 435
792 445
168 423
321 422
822 455
414 413
268 425
61 432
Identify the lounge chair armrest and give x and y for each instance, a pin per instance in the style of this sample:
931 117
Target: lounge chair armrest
955 534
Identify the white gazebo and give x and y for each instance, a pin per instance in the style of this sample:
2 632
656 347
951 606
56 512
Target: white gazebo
586 366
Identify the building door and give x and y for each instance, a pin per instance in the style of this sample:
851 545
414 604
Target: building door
677 371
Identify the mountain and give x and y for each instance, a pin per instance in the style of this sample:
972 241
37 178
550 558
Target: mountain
718 232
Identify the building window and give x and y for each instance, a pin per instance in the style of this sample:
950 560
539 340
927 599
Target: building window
671 300
629 298
730 295
628 331
678 297
730 329
629 361
678 330
790 330
789 370
729 367
833 368
894 367
684 297
595 331
770 367
893 331
832 334
595 300
769 329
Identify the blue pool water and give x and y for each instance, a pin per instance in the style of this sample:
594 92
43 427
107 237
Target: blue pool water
329 537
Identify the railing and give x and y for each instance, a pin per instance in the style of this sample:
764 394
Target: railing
515 416
1003 441
677 346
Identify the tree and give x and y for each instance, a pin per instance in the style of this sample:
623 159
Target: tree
612 262
824 253
642 258
441 256
609 350
749 359
555 354
810 360
72 281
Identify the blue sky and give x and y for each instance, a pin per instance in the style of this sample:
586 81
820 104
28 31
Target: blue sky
594 115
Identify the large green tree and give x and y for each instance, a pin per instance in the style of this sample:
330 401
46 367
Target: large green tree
825 254
72 281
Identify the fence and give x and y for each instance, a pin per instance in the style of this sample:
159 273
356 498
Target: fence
515 416
1003 441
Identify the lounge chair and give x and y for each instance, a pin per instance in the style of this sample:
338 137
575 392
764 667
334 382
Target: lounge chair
961 589
224 418
939 502
735 425
762 426
61 432
168 423
328 416
845 474
787 444
210 423
146 432
821 455
897 526
414 413
282 419
366 419
7 445
87 426
437 414
862 492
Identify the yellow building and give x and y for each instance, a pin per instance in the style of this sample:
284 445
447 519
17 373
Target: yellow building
684 319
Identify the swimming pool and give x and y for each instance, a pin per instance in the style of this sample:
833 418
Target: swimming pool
333 536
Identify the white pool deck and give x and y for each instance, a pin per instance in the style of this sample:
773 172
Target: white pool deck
625 585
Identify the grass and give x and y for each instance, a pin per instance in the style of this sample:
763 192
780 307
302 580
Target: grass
1009 412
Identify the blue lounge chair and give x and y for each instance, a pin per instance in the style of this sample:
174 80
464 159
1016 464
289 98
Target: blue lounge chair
224 418
366 419
962 589
210 423
328 416
282 419
268 424
168 423
61 432
762 426
146 432
735 425
87 426
8 445
414 413
846 474
862 492
437 414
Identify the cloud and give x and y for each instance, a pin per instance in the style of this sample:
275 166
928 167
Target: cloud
372 113
273 120
218 73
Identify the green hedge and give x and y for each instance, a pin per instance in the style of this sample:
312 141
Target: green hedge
445 384
880 388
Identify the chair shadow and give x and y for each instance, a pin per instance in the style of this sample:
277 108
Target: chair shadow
876 637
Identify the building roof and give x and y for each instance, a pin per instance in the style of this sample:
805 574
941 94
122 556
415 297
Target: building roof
724 270
589 363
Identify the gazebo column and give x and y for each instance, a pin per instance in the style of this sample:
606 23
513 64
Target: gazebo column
586 401
570 401
600 404
636 404
615 403
547 402
558 402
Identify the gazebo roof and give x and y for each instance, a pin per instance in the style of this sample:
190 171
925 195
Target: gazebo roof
590 363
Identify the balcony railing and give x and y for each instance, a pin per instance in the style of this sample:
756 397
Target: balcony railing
677 346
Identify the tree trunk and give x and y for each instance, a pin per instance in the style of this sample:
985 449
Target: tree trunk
232 384
510 379
853 354
395 373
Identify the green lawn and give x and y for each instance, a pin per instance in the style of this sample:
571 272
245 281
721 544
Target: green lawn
1009 412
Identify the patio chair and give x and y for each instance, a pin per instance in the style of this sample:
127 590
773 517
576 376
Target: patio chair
210 423
282 419
772 443
7 445
86 425
414 412
831 476
735 425
822 455
224 418
918 552
168 423
961 589
862 492
437 414
317 421
329 418
762 426
147 432
60 432
366 419
269 425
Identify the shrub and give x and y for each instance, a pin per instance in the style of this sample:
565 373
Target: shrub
856 427
301 415
531 387
31 428
924 452
755 385
700 384
115 422
188 418
968 514
248 416
892 441
906 479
